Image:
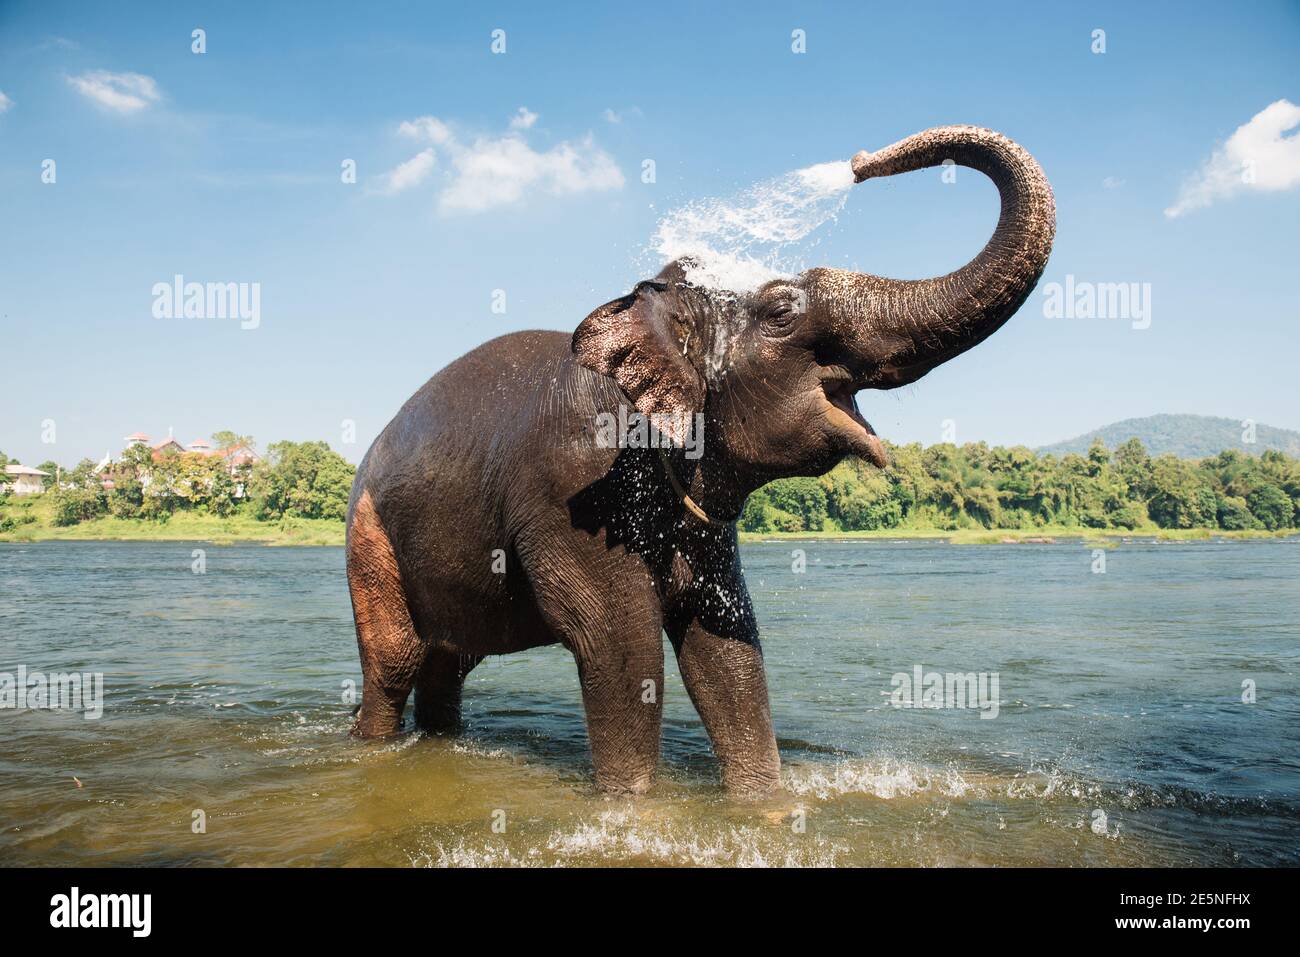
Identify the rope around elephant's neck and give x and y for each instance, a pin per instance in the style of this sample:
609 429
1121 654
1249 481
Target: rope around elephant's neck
682 494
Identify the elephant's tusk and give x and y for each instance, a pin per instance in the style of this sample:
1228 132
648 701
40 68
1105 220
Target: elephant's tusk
682 494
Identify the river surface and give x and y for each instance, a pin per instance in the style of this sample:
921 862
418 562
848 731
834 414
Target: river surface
1118 735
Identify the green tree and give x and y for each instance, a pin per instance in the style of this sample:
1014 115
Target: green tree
83 474
1179 497
226 439
1272 507
804 498
51 470
78 504
302 479
127 498
862 499
1134 466
1234 514
756 515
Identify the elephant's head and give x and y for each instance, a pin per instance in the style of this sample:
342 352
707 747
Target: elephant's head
775 371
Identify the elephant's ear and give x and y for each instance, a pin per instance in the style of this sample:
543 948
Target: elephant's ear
640 342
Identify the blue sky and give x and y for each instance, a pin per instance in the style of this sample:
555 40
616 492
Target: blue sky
225 167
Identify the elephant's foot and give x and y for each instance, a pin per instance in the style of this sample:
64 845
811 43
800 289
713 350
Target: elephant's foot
380 715
440 717
438 690
751 782
440 725
616 783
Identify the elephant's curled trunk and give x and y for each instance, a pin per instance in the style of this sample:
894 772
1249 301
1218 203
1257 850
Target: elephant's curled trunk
914 325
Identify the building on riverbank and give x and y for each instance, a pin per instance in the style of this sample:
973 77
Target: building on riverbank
237 459
22 480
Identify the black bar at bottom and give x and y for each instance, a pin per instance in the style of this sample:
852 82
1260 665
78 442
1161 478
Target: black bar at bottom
337 906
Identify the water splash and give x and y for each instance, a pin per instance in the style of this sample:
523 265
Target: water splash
644 837
882 779
737 243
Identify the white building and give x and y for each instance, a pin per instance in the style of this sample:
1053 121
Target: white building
22 480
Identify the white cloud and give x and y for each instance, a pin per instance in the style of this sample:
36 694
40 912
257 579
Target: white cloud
498 170
411 173
120 92
495 172
618 116
1256 157
523 120
426 128
5 102
1112 182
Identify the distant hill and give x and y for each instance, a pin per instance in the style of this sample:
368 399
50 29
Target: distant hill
1187 436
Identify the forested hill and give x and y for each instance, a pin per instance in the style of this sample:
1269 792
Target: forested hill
1186 436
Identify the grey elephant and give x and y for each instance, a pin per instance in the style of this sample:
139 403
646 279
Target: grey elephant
492 514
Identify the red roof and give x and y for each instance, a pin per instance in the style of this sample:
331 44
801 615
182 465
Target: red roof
137 437
238 454
200 444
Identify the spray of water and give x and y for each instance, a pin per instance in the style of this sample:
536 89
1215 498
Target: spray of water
739 242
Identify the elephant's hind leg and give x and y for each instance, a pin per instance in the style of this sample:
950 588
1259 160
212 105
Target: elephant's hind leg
391 652
438 689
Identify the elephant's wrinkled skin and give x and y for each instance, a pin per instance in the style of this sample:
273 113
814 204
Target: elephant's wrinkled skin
499 451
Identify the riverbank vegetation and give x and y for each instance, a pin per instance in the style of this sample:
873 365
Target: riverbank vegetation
298 494
974 490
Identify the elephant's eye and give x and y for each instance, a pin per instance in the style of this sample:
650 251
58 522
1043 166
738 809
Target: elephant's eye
779 315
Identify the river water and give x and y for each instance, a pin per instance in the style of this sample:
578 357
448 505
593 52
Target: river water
1118 734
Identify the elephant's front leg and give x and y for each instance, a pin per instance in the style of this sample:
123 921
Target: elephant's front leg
604 608
728 686
622 676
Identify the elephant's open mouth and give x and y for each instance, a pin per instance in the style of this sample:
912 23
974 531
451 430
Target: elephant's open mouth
839 387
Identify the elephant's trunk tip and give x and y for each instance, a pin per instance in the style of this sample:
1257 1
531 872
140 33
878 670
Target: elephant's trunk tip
861 164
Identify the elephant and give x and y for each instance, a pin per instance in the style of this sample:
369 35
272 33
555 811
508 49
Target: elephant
493 514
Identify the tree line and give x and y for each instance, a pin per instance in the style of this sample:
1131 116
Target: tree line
294 479
941 487
947 487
